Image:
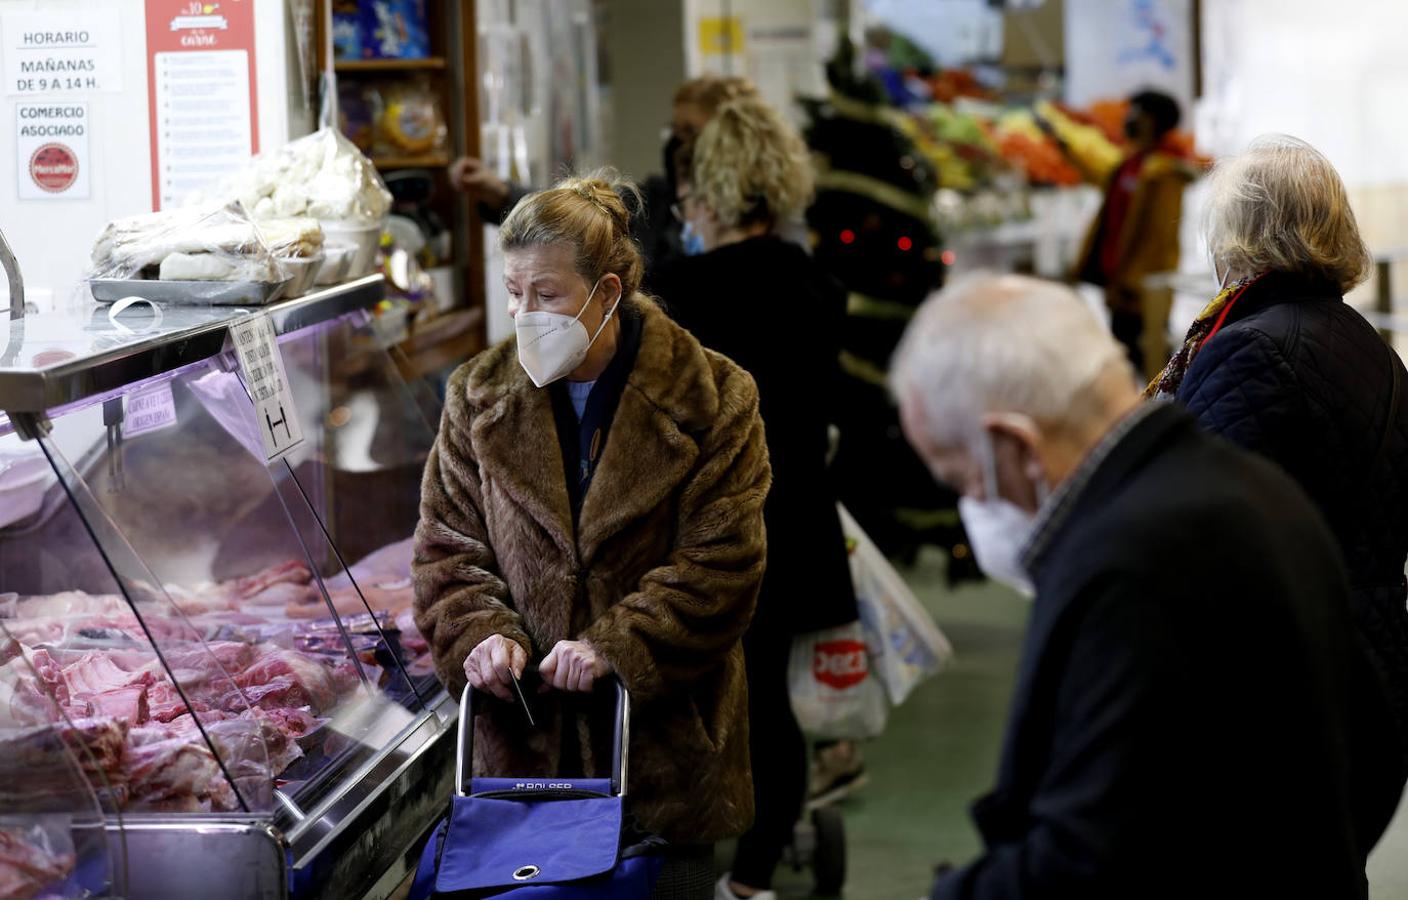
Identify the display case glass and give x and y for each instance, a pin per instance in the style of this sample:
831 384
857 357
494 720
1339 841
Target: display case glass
56 803
243 626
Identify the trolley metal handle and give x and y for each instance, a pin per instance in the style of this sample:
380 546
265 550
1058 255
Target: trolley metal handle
12 275
620 741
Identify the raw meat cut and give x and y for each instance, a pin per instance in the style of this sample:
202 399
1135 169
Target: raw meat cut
163 770
69 604
411 639
277 583
38 761
384 577
392 597
127 704
312 684
26 867
164 703
32 689
98 671
296 723
200 664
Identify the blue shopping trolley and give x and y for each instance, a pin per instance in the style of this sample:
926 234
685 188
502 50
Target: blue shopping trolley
540 838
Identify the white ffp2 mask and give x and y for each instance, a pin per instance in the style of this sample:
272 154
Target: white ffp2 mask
998 530
551 345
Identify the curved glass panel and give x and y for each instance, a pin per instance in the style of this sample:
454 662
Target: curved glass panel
57 793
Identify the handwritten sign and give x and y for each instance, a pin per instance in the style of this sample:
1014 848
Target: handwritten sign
61 53
262 366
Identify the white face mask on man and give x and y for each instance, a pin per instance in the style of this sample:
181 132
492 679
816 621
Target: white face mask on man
551 345
998 530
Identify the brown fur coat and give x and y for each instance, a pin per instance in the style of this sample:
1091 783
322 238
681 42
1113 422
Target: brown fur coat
661 577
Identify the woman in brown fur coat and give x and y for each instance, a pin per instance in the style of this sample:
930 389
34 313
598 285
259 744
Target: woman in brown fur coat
595 506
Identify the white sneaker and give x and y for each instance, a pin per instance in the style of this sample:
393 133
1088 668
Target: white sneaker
722 891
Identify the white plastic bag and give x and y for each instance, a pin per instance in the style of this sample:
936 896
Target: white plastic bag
905 645
835 694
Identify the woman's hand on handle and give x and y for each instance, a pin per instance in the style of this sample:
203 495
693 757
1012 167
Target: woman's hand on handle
573 666
488 665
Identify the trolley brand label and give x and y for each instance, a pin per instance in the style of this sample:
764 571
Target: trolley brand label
840 664
262 370
147 411
61 53
52 150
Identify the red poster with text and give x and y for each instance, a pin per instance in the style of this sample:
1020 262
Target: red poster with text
202 92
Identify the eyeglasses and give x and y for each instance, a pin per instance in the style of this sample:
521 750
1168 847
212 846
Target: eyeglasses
677 208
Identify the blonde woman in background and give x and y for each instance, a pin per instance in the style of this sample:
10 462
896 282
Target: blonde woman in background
764 303
593 506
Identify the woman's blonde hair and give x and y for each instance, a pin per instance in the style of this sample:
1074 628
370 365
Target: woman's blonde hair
709 92
750 165
1282 207
589 214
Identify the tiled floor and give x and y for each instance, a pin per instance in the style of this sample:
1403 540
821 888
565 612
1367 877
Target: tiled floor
940 750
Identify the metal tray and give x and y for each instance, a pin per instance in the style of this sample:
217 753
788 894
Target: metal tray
191 293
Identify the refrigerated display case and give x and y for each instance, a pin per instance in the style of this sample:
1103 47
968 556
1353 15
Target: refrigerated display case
56 839
235 632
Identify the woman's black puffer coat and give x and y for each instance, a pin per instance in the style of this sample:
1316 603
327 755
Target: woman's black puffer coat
1297 375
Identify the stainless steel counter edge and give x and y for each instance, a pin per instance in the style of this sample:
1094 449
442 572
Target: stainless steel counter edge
437 720
38 390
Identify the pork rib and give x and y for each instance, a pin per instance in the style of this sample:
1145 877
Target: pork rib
26 868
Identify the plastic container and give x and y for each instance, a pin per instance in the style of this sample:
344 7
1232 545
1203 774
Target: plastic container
337 261
366 238
303 271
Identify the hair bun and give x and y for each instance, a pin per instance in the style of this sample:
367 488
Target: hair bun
607 190
590 213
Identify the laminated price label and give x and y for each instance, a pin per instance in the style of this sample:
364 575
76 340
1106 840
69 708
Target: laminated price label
264 378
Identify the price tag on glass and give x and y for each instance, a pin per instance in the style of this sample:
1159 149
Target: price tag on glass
263 368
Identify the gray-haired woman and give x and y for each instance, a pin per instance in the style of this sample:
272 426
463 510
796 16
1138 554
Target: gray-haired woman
1281 365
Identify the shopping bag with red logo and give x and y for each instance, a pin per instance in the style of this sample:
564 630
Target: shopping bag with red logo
835 695
906 646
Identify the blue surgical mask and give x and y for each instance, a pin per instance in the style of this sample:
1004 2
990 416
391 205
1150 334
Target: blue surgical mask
691 239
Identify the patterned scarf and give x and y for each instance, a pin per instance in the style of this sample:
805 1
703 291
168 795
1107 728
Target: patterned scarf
1200 332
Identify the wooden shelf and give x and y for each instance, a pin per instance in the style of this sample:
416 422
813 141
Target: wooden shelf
390 65
428 161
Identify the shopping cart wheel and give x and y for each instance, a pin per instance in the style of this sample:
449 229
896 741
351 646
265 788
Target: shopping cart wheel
829 854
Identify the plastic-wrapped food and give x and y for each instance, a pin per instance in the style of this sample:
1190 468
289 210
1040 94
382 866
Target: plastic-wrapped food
409 119
321 176
197 244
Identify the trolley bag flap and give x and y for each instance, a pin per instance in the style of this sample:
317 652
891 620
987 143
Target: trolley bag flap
499 843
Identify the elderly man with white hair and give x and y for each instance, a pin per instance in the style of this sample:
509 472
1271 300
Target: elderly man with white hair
1181 724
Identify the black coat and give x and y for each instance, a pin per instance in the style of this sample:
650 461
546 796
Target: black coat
1189 673
1298 376
765 304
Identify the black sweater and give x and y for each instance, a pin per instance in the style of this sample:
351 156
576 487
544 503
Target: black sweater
765 304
